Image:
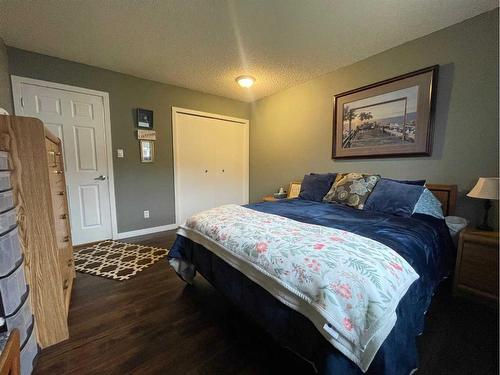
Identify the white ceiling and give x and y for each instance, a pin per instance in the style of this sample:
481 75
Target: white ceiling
205 44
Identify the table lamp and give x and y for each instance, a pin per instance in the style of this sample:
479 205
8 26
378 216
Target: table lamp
486 188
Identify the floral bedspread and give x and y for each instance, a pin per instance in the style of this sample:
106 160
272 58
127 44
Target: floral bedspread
349 286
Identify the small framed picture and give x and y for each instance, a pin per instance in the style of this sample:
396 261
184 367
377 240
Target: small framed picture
144 118
294 189
147 151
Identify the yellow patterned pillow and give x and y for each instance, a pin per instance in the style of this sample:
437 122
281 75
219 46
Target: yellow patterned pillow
351 189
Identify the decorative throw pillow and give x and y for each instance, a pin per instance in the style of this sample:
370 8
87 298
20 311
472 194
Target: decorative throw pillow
394 198
351 189
314 186
408 182
428 204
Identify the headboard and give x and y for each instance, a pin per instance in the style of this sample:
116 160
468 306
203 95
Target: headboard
447 195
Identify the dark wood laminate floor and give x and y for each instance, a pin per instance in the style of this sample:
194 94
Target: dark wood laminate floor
155 324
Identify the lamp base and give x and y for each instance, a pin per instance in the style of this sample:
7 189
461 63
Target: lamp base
484 225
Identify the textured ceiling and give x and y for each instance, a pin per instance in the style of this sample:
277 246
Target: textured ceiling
205 44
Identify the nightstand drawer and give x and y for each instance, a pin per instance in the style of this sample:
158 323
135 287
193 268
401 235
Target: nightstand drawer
478 268
476 272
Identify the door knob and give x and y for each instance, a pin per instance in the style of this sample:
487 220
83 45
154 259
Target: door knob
100 178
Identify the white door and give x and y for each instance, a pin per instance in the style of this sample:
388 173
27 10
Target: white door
78 120
211 161
229 163
195 163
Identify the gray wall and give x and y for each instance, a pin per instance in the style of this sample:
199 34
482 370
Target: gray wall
138 187
5 90
291 131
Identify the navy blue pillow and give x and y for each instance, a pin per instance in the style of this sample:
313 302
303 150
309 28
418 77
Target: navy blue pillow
393 197
315 186
408 182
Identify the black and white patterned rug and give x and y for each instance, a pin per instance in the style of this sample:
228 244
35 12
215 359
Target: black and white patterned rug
116 260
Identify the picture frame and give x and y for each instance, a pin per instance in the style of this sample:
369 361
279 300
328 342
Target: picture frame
144 118
390 118
147 149
294 189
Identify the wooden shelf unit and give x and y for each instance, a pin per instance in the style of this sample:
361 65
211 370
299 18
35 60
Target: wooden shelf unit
39 186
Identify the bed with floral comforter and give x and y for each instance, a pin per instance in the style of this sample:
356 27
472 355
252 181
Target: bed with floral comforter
357 278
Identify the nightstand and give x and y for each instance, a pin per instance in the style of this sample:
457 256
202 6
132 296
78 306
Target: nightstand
476 271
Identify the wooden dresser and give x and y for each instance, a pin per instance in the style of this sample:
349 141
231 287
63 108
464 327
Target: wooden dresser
39 188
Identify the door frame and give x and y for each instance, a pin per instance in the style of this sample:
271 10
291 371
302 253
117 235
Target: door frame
185 111
17 81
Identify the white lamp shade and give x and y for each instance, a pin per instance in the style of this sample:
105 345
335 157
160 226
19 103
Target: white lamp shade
486 188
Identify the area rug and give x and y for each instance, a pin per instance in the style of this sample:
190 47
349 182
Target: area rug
116 260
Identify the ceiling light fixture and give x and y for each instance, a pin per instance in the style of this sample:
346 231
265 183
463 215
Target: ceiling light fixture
245 81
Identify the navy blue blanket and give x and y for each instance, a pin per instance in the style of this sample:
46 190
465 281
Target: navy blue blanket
422 240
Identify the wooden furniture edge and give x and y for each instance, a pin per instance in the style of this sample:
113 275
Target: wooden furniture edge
450 200
10 362
51 136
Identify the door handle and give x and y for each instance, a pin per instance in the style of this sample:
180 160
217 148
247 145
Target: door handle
100 178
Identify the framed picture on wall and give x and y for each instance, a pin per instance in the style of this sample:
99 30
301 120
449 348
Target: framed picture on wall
388 118
144 118
147 151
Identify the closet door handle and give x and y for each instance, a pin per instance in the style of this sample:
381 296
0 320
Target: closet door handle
223 171
206 170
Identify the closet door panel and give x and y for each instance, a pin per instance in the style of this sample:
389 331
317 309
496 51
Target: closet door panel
195 165
229 163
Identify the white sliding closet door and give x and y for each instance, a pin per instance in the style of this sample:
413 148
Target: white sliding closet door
229 163
211 161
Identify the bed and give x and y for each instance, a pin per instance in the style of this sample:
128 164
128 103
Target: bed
422 241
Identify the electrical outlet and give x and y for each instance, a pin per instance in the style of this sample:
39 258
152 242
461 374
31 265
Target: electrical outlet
146 214
119 153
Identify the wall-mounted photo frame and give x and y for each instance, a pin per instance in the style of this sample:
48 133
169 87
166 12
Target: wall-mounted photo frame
147 149
388 118
144 118
148 135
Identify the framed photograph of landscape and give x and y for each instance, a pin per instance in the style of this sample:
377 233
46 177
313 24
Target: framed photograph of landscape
388 118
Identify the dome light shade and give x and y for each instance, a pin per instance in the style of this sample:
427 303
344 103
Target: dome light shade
245 81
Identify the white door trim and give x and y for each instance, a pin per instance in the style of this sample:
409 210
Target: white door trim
142 232
245 122
19 110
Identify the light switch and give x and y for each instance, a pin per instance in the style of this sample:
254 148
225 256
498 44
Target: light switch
119 153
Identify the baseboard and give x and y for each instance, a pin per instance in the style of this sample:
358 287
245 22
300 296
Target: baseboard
142 232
